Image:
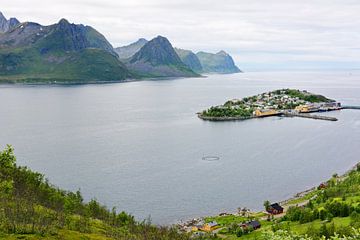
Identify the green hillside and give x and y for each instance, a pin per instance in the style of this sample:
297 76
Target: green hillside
63 52
331 211
87 65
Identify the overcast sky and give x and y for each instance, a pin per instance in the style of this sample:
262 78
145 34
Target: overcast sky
259 34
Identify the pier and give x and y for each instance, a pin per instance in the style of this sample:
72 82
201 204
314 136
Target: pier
312 116
350 107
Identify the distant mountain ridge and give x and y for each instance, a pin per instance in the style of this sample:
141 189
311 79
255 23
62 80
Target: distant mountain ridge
190 59
220 62
202 62
6 25
130 50
76 53
63 52
61 36
157 58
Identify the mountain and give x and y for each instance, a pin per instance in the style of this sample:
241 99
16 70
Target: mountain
129 50
157 58
6 25
190 59
220 62
62 52
62 36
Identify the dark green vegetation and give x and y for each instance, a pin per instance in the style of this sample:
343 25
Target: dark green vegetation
220 62
61 52
32 208
87 65
157 58
227 111
308 97
334 209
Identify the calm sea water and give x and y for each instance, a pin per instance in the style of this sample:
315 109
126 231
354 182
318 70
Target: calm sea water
139 145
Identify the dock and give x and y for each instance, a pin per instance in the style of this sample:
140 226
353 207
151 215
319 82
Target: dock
312 116
351 107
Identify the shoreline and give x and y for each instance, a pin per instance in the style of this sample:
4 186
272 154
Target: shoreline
223 119
55 82
285 202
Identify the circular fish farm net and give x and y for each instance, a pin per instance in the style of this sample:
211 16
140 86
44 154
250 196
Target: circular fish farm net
211 158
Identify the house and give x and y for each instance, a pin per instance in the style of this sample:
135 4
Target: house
197 227
302 109
330 106
265 112
208 227
307 108
254 224
275 208
322 186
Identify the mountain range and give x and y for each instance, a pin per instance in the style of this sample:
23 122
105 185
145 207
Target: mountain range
157 58
74 53
201 62
61 52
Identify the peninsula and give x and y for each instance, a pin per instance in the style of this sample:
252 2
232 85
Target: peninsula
282 102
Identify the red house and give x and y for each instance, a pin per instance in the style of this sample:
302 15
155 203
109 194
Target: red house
275 208
322 186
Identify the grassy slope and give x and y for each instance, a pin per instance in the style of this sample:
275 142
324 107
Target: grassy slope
28 65
341 189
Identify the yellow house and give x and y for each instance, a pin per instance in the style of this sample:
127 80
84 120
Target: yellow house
208 227
194 228
302 108
265 113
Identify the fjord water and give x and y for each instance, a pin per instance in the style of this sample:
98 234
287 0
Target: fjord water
139 145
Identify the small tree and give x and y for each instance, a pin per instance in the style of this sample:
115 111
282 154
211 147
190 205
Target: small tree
267 205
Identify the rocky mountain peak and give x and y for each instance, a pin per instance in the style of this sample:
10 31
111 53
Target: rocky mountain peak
222 52
158 51
6 25
2 16
63 21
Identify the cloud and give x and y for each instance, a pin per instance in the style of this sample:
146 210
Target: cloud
253 31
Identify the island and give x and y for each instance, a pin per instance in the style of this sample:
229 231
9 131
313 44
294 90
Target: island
282 102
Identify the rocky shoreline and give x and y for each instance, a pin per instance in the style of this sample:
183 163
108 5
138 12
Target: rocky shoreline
287 202
220 119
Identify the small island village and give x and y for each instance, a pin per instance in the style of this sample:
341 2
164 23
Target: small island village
283 102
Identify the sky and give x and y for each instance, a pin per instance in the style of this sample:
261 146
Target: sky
259 34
